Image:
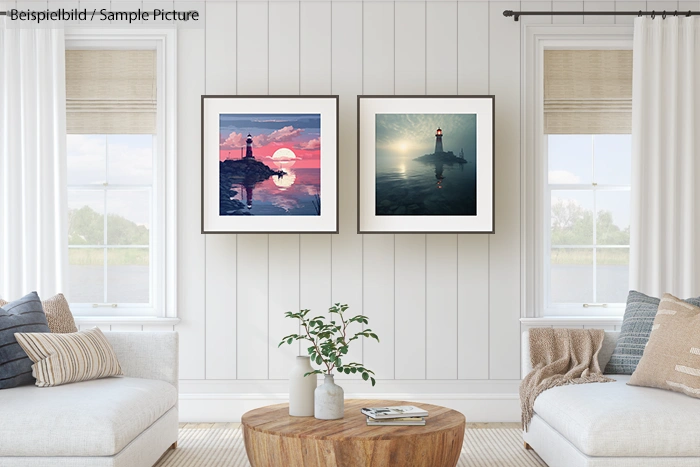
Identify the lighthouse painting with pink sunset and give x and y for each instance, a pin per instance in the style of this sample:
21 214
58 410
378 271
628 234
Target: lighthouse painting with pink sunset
270 164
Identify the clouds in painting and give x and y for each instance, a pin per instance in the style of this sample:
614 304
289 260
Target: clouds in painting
298 132
414 134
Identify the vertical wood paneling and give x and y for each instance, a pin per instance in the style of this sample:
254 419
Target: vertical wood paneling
410 50
441 322
283 255
252 50
346 80
220 281
315 48
283 267
473 250
191 256
628 6
598 6
504 256
441 40
409 310
441 250
378 250
252 262
567 6
284 47
253 307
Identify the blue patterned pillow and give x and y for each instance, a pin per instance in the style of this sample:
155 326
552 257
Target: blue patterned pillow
23 315
634 335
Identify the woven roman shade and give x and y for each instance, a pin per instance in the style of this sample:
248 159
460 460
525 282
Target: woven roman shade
587 92
111 91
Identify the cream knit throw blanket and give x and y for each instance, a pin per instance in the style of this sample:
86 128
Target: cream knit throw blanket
560 357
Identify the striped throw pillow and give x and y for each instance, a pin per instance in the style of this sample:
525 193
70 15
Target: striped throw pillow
69 358
58 314
23 315
671 359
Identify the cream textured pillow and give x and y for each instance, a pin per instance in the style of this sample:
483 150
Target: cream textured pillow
68 358
57 312
671 359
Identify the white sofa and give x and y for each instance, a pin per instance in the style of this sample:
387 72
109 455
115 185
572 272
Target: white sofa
125 421
613 424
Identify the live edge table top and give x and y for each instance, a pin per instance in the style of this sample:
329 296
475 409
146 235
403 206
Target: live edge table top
275 420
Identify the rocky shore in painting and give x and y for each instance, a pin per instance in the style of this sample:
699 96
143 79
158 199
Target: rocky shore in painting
441 157
246 173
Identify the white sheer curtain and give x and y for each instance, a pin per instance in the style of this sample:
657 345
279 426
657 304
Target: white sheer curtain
33 205
665 232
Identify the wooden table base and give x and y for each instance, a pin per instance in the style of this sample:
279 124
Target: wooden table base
273 439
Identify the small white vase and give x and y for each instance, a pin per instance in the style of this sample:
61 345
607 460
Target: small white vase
329 400
301 389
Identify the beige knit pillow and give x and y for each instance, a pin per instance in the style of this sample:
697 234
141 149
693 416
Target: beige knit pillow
68 358
58 314
671 358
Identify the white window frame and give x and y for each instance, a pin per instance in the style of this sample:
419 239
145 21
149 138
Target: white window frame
534 176
163 246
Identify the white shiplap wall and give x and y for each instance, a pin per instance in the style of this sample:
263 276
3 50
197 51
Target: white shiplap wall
447 307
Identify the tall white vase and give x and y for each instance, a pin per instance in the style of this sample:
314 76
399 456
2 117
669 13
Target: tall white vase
301 389
330 400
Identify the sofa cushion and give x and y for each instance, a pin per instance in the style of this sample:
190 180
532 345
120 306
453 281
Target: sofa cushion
616 420
90 418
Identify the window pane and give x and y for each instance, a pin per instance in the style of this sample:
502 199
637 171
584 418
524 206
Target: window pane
572 217
570 159
86 275
612 275
571 275
85 217
86 159
613 159
128 275
129 216
130 159
613 218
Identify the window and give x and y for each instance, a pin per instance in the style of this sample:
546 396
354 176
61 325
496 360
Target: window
588 202
120 173
576 171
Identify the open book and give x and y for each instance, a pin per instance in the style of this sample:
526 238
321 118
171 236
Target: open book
401 411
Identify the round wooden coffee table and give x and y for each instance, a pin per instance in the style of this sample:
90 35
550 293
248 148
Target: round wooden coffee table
274 439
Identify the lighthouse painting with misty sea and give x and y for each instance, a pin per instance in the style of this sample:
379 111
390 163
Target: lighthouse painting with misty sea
270 164
426 165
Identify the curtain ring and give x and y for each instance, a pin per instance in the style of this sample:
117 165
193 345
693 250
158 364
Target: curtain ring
688 15
640 14
653 14
675 13
664 15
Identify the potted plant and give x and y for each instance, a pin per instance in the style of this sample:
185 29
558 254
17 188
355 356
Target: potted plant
330 341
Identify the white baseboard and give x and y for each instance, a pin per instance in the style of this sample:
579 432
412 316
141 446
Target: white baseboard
229 407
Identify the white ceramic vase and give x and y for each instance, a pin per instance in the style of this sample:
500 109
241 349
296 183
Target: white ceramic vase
301 389
329 400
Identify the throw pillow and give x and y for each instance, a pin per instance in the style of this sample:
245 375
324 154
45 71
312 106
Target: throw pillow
634 335
68 358
58 314
23 315
672 357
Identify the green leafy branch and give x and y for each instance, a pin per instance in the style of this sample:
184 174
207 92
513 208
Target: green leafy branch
330 340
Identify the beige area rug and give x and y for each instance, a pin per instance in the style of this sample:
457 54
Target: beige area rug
222 446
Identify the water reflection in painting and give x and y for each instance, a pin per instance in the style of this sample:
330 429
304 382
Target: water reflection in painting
269 165
426 164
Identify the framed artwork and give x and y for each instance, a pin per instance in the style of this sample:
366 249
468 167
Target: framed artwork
269 164
425 164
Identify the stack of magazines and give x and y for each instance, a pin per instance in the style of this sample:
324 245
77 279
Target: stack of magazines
403 415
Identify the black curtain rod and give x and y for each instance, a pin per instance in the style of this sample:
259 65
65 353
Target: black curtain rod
517 14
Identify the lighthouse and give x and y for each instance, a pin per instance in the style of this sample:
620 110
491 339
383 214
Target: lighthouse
249 147
438 141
